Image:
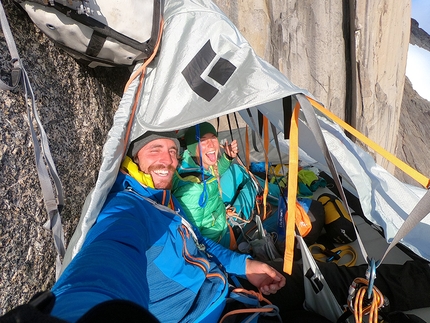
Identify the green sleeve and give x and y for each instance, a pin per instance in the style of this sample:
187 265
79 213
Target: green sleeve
223 164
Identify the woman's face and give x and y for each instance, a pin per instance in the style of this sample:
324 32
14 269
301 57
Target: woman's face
210 150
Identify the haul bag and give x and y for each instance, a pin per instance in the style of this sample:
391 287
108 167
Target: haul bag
100 33
338 223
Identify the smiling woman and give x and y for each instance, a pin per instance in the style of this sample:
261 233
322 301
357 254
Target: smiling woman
196 185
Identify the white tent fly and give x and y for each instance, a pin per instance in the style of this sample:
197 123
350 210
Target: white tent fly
206 69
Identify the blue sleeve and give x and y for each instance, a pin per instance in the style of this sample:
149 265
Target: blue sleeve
233 262
111 264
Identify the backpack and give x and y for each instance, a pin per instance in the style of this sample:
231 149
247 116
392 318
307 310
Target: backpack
338 224
99 33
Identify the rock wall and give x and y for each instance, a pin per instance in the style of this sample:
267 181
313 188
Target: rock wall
346 56
412 137
76 105
382 40
351 55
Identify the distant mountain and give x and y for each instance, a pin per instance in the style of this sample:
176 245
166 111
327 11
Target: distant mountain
419 36
413 142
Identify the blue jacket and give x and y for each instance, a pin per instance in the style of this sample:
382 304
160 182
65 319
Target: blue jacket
141 250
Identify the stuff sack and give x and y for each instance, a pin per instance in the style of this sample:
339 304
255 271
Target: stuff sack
338 224
99 33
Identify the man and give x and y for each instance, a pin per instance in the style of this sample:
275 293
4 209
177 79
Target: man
143 249
142 259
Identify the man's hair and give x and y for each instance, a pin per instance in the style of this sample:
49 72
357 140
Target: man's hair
147 137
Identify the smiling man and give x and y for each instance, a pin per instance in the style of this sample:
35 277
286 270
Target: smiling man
142 249
156 157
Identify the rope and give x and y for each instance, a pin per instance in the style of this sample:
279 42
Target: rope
359 305
259 296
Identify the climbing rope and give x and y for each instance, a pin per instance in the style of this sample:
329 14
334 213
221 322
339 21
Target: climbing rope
269 309
361 305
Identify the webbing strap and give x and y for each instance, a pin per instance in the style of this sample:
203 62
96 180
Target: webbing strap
420 210
266 164
276 141
420 178
46 168
238 129
52 190
293 166
314 126
15 60
247 153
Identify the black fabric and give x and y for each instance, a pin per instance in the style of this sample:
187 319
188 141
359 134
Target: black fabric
117 311
28 314
406 286
400 317
317 216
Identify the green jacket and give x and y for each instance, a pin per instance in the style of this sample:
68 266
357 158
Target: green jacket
188 188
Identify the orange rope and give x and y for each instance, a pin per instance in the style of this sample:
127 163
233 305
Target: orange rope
140 72
258 295
372 309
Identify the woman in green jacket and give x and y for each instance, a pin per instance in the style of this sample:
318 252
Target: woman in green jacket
196 185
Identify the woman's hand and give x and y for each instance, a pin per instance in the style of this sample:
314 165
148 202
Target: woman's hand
231 149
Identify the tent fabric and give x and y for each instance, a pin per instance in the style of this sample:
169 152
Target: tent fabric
168 101
205 69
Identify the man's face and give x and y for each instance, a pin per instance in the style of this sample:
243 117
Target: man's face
159 159
210 150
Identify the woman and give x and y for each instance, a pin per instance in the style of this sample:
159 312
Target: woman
197 185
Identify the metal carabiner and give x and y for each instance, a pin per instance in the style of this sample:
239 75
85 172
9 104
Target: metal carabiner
371 275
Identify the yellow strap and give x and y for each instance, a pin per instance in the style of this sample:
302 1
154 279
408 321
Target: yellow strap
420 178
317 251
266 157
293 167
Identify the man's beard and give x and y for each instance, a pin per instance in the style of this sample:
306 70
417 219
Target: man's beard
162 183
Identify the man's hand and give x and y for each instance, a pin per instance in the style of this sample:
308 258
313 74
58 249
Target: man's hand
264 277
231 149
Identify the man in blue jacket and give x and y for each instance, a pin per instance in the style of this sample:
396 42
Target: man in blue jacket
143 262
143 249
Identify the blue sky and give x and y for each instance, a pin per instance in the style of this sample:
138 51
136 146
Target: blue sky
421 13
418 65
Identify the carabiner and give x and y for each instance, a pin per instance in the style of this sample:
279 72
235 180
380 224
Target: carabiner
371 275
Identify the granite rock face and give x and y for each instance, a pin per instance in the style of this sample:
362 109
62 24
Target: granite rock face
352 58
76 106
351 55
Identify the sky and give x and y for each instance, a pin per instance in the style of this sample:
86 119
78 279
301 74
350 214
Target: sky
418 65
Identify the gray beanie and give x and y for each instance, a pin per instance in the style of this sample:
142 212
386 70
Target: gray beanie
149 136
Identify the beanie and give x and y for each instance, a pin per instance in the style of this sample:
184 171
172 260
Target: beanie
190 136
147 137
